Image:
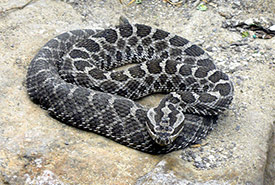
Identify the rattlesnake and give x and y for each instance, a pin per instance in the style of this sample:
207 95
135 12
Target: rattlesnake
72 77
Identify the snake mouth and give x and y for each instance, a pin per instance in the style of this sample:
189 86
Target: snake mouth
163 139
160 138
163 142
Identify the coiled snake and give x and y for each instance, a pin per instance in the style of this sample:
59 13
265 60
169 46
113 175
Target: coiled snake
72 77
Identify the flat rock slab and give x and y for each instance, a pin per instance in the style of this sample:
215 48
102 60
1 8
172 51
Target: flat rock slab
36 149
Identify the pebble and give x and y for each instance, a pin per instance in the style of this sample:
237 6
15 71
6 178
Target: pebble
237 3
210 49
249 21
272 28
198 159
175 1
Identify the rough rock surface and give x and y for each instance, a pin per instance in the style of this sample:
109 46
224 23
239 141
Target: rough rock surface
36 149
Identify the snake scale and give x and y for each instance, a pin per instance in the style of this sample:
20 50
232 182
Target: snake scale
72 77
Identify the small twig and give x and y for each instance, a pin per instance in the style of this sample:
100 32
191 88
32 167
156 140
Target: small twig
198 145
17 7
121 2
131 2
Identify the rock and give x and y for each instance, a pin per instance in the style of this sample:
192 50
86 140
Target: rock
237 3
272 28
36 149
253 27
249 21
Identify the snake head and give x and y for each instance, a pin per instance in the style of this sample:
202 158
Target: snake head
165 123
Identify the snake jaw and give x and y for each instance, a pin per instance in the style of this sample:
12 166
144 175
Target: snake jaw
166 129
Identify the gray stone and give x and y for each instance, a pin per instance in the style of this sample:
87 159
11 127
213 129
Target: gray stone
272 28
36 149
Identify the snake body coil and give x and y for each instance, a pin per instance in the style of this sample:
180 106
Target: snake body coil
72 78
